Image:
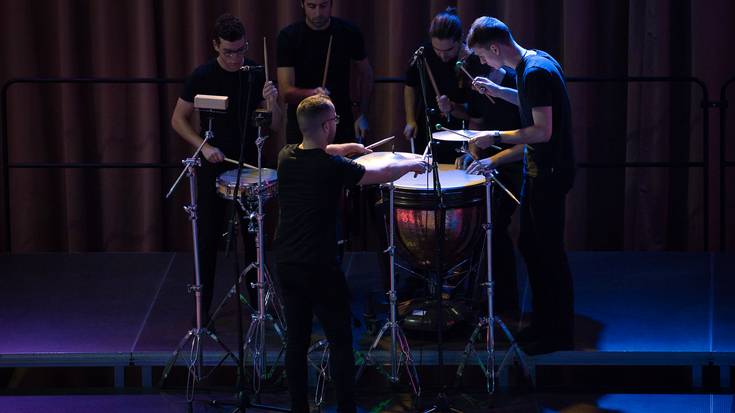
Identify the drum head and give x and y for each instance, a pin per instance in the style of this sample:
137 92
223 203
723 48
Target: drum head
380 159
448 136
449 179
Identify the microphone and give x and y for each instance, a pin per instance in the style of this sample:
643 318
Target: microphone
416 55
252 68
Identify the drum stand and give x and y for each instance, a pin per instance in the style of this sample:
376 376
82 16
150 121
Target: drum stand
196 361
397 337
487 324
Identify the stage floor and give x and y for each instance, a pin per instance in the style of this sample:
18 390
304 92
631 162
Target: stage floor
131 309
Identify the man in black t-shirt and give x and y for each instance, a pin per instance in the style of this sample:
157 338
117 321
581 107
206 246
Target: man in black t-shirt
548 175
222 76
311 178
502 115
441 54
301 57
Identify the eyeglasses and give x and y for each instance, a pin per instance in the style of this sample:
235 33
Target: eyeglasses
335 119
235 53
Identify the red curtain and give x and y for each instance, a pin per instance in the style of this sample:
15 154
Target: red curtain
124 210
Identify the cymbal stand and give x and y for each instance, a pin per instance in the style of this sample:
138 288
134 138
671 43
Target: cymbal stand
398 341
196 361
488 323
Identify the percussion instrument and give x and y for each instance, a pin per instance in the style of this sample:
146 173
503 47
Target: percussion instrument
415 204
248 184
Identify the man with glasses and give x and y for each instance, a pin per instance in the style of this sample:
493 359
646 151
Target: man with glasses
302 56
311 177
222 76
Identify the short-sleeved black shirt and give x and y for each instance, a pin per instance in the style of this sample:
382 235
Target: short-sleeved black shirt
305 50
309 186
541 83
211 79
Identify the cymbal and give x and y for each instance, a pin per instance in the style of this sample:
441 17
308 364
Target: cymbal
462 135
380 159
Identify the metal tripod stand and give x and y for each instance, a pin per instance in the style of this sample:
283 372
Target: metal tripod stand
195 362
398 341
255 343
487 323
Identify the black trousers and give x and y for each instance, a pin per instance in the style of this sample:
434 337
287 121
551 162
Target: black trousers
213 214
320 290
542 245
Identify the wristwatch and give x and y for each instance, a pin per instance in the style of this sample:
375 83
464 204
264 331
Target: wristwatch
496 137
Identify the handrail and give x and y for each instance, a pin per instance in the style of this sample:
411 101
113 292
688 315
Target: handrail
160 81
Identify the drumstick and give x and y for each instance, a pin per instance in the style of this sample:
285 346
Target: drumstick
380 142
326 64
431 78
265 63
247 165
472 79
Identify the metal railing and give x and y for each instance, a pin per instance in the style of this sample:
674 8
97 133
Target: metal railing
706 105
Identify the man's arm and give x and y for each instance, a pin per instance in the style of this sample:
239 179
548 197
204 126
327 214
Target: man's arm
365 82
487 87
181 123
273 103
512 154
346 149
389 173
539 132
409 106
291 94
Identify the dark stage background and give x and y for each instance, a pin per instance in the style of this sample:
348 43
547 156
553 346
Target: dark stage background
610 208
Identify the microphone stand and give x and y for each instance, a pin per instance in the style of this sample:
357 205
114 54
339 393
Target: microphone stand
243 401
441 403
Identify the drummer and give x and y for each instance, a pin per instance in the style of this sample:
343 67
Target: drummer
498 114
222 76
311 177
448 106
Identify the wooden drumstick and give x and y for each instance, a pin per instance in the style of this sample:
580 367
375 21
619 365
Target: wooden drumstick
431 78
326 64
247 165
265 63
380 142
472 79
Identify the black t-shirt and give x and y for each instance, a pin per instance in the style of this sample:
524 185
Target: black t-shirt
541 83
309 186
449 81
501 115
211 79
305 50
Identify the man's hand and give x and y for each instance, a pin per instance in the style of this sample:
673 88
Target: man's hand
212 154
409 131
445 105
321 91
361 127
481 166
270 93
486 86
351 149
482 140
418 166
463 162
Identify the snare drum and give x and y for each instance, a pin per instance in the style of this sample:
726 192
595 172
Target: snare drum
248 184
415 202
